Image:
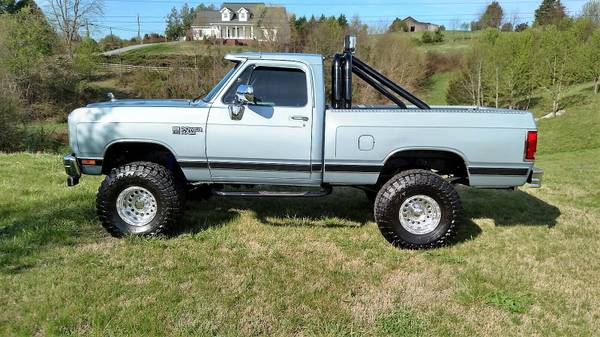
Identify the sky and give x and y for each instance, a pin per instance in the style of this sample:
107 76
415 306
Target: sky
122 15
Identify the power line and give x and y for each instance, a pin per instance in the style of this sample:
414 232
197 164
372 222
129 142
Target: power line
360 4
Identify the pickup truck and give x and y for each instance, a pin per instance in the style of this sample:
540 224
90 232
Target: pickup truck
268 123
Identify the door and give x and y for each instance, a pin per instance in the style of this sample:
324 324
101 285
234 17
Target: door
271 143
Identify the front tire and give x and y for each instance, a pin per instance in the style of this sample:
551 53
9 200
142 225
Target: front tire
417 209
140 198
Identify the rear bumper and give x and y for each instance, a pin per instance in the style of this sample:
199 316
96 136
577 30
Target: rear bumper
535 177
72 169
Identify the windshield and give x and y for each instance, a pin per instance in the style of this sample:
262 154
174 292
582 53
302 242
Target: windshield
221 83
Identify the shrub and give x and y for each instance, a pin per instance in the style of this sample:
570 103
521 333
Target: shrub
427 37
86 57
10 113
442 62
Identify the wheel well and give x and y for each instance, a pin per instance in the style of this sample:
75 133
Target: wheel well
441 162
120 154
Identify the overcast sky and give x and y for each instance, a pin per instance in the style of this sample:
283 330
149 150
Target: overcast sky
121 15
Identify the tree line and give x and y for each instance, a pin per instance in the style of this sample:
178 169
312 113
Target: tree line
509 69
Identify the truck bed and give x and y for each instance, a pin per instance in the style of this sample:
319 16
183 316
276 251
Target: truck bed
490 141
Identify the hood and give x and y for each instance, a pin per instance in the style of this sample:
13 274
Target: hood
170 103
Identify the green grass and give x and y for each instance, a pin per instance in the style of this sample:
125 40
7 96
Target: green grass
578 128
454 41
434 91
525 263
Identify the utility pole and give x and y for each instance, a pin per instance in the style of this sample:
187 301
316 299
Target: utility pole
87 28
139 30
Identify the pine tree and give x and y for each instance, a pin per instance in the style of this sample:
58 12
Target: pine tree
492 17
550 12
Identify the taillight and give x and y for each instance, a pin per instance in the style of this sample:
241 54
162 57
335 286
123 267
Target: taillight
531 145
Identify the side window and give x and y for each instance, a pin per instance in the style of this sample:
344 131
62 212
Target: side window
279 86
242 79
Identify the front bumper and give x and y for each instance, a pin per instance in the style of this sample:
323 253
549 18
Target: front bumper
72 169
535 177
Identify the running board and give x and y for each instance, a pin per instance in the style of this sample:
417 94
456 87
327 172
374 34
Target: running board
268 194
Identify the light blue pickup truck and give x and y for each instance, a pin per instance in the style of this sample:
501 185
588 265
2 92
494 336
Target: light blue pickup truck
268 123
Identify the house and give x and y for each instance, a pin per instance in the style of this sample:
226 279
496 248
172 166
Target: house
412 25
241 23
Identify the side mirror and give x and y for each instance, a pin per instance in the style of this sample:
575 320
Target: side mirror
243 96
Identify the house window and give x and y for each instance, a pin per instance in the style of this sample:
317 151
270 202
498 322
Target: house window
412 28
225 15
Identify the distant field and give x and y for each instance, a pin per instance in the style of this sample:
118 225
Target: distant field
454 41
182 48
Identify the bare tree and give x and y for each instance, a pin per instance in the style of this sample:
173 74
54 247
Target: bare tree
69 16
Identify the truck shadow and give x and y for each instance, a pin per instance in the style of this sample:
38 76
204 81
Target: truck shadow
348 207
30 228
508 208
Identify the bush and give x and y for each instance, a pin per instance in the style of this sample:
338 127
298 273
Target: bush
427 37
435 37
442 62
10 113
86 57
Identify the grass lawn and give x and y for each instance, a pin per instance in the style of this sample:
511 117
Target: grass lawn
525 262
434 91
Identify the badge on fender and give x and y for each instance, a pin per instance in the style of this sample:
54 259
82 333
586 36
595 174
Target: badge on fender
186 130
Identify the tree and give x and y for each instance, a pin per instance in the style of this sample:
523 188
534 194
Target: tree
275 28
69 16
427 37
25 40
438 36
521 27
187 17
342 21
550 12
398 25
86 57
497 72
110 42
591 10
12 6
589 60
491 17
174 29
507 27
554 66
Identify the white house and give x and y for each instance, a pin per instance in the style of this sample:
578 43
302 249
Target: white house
240 21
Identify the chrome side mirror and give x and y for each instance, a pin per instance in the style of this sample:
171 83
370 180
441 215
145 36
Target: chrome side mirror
243 96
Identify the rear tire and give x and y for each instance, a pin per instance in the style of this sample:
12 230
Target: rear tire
140 198
417 209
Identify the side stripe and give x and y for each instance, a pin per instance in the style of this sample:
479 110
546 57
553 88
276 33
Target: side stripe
353 168
500 171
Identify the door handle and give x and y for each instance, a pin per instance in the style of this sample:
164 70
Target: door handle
300 118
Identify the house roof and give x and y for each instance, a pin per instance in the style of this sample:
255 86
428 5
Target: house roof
206 17
410 18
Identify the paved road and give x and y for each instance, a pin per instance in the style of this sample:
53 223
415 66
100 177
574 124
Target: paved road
120 51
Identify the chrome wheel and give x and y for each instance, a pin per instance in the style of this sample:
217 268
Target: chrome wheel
420 214
136 206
